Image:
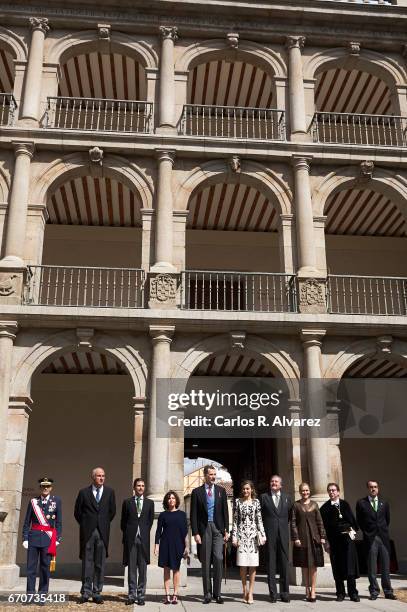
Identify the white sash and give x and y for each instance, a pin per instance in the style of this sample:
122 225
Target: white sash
39 513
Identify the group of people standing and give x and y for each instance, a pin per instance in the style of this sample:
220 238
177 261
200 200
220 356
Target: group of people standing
269 521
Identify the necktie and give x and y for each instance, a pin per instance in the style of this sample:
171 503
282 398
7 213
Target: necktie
375 504
138 503
209 491
276 500
97 495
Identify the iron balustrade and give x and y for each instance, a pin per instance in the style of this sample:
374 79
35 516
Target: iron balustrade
238 291
232 122
372 295
8 107
85 286
99 114
350 128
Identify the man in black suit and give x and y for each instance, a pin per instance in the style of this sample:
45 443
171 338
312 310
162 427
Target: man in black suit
210 528
373 517
276 510
341 527
95 508
42 532
136 522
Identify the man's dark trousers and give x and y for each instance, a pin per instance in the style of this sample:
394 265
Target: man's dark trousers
93 565
137 568
33 554
378 549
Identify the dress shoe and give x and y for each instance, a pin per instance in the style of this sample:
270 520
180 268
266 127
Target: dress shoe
340 597
285 598
273 598
141 602
130 601
98 599
373 597
83 599
390 596
218 599
207 599
354 598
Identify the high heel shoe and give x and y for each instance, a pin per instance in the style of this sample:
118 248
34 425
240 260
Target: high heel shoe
167 600
174 599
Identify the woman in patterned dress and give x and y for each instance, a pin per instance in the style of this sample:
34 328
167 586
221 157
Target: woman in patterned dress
247 534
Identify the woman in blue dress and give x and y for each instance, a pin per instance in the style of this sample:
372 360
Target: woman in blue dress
171 543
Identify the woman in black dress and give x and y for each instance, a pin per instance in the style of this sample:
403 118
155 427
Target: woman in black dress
308 534
171 542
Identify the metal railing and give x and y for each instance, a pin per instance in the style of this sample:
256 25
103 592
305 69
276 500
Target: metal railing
99 114
85 286
239 291
232 122
8 107
373 295
350 128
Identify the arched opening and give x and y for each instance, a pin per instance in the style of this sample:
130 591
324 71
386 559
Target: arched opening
76 398
7 101
92 245
365 249
101 91
353 105
371 398
233 250
232 97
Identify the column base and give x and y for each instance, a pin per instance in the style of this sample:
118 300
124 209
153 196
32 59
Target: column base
166 130
300 137
163 267
9 575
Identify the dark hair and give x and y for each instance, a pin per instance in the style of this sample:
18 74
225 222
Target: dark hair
251 485
207 468
332 484
376 481
137 480
167 497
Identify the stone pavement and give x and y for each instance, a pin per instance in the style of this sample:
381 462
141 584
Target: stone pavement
191 599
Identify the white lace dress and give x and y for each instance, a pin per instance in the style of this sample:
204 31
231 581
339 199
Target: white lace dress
247 527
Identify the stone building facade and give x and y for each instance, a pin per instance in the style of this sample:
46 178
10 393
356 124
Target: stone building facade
202 192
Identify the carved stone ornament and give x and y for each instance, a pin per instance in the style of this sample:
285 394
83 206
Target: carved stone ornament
312 293
163 288
295 42
96 155
235 164
39 23
169 32
354 48
237 340
233 39
85 335
384 344
8 284
366 169
104 31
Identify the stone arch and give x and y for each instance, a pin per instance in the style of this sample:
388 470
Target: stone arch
204 51
385 68
391 184
252 173
74 43
50 346
78 164
263 349
14 43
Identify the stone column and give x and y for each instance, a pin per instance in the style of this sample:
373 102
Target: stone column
8 331
33 77
286 244
164 213
140 438
317 445
296 86
158 447
167 76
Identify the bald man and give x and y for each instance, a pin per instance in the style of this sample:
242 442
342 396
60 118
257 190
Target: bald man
95 508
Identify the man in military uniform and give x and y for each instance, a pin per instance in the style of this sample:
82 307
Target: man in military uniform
42 531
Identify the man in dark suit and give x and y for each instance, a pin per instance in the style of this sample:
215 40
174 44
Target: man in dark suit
341 527
373 517
95 508
42 532
276 510
136 522
210 528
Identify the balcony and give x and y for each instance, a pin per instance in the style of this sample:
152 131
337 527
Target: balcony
232 122
369 295
99 114
238 291
85 287
8 107
358 129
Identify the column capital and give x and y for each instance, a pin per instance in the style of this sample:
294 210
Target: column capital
170 32
23 148
312 337
300 162
39 23
161 333
23 403
165 155
8 329
295 42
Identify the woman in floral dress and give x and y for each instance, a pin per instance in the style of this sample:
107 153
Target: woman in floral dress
247 535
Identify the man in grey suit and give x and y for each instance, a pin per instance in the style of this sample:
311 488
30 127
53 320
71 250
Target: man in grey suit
276 510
